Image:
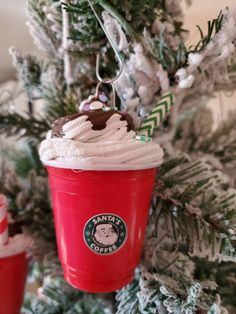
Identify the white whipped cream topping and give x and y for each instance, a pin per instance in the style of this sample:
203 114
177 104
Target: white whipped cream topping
80 129
16 245
111 145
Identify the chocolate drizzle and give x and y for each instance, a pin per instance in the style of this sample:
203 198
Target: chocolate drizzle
98 119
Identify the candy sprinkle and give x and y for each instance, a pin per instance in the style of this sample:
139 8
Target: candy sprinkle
102 97
109 108
143 138
95 105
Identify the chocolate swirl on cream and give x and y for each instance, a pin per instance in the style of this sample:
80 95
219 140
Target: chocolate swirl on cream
98 119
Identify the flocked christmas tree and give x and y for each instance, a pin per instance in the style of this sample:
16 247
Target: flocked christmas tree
188 261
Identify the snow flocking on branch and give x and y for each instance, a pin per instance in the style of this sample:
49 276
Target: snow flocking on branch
65 45
219 49
115 32
40 24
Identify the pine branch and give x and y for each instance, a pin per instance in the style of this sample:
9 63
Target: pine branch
194 136
137 13
133 16
173 59
29 71
28 127
59 105
41 27
224 275
145 295
132 24
127 298
170 59
201 208
25 160
60 298
84 26
222 143
115 14
213 27
45 81
29 204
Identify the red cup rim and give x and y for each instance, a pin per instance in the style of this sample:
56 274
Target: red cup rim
99 167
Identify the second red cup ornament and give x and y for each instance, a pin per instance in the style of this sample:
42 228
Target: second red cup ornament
13 265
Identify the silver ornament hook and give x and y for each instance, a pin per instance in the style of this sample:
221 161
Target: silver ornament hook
106 80
113 93
121 63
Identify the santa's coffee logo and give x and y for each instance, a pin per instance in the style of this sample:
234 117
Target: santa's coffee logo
105 233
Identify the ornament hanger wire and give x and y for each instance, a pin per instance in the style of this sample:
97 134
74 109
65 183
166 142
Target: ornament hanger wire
121 64
113 92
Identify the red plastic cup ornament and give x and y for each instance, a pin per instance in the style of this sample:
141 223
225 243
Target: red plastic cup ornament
100 219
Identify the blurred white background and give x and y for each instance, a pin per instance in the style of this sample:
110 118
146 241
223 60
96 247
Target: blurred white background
13 32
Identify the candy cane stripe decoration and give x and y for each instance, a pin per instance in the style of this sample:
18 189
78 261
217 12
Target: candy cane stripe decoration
3 220
154 119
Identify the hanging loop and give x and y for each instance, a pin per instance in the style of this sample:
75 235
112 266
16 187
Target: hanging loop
106 80
113 93
121 64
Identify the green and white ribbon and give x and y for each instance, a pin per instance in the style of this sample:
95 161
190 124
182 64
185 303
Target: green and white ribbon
155 117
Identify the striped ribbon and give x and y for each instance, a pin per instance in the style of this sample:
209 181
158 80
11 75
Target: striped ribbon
154 119
3 220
